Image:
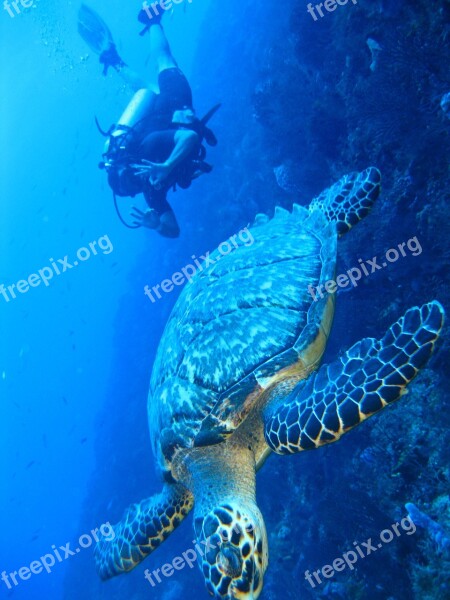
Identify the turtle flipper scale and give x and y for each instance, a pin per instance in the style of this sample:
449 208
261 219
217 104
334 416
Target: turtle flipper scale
142 529
369 376
350 199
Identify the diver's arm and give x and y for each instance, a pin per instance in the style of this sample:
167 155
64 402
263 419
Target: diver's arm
165 224
168 225
186 141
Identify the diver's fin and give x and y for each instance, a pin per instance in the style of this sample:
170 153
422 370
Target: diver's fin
98 37
149 18
111 58
94 30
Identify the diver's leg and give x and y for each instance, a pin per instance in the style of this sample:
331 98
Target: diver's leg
163 59
162 56
168 225
134 81
160 49
110 58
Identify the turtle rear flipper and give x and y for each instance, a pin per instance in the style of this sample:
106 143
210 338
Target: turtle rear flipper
368 377
142 529
350 199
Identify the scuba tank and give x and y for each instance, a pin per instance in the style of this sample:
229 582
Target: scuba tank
136 112
134 115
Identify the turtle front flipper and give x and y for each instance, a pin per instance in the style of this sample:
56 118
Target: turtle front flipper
368 377
350 199
142 529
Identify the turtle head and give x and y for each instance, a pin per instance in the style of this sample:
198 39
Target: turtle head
235 551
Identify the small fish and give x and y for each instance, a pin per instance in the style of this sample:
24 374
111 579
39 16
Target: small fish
30 464
84 440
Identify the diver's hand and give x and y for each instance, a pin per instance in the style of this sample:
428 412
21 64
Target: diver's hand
149 219
156 172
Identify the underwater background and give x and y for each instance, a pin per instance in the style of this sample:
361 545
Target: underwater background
304 102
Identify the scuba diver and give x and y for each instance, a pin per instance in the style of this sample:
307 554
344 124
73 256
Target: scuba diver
158 142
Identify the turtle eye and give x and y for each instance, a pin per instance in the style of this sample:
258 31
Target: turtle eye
230 561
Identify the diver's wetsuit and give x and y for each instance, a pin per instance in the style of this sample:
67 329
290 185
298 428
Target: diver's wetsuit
175 94
157 147
157 132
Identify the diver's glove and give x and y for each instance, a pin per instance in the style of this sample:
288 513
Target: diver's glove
147 20
111 58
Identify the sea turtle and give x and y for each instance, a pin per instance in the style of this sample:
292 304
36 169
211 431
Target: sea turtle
237 377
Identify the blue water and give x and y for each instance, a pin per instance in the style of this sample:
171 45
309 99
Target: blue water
76 355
